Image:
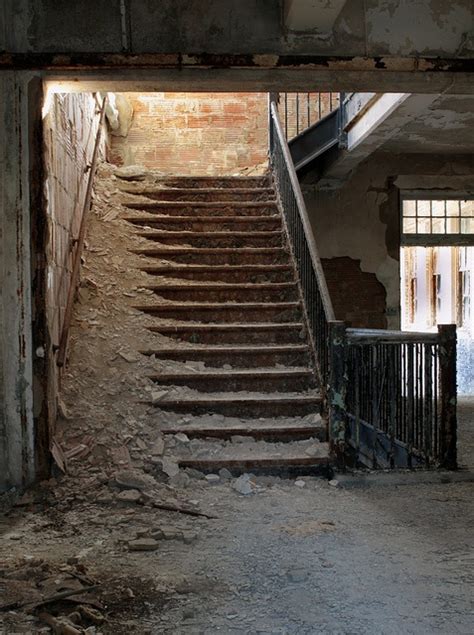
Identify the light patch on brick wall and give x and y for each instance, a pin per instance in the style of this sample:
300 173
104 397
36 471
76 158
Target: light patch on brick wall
195 133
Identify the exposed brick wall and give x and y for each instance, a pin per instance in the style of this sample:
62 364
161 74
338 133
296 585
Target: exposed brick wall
69 128
195 133
357 296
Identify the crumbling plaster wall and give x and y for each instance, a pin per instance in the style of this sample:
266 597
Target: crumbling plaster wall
361 219
195 133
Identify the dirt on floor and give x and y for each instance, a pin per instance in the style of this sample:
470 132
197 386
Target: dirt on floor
120 540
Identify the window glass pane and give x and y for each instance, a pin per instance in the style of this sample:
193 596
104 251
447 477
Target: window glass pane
438 208
453 208
467 208
452 225
409 226
467 225
424 208
438 226
409 208
424 225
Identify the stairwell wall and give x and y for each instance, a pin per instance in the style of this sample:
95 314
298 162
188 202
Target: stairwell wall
195 133
357 230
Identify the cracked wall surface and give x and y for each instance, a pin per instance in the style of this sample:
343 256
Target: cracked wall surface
361 219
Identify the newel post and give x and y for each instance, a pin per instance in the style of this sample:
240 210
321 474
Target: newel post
337 390
448 394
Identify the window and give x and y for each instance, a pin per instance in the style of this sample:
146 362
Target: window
437 221
464 288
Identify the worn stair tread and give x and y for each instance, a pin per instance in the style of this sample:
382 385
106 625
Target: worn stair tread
211 349
258 455
156 218
224 286
208 399
210 250
219 374
253 429
215 306
199 204
201 190
207 234
169 269
225 328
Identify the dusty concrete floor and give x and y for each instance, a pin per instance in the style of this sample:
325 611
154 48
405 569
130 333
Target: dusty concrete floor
319 559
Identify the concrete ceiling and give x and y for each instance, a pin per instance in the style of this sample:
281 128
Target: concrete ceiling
445 126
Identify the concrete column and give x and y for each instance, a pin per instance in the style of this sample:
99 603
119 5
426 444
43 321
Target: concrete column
16 377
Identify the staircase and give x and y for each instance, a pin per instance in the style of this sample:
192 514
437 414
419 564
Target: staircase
227 298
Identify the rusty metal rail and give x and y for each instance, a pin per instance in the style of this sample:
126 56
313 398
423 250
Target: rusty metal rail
318 306
393 396
79 245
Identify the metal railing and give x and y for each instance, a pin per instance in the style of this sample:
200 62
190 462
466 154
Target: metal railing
318 307
393 396
300 111
390 395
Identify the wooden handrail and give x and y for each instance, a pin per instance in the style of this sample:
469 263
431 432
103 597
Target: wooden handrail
313 250
373 336
62 349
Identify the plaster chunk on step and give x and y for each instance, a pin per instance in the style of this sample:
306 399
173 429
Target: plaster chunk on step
244 485
143 544
128 479
129 496
131 173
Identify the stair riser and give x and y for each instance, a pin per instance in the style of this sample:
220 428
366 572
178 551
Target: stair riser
223 295
168 223
227 384
218 196
210 316
216 241
260 435
230 409
217 182
216 209
243 337
232 258
240 360
226 276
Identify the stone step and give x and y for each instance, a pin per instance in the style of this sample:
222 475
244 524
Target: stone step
217 255
267 379
235 404
233 333
278 429
231 182
208 312
206 223
221 292
198 208
263 458
224 273
244 356
216 238
227 195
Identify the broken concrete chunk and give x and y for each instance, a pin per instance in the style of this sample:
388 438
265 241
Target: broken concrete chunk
169 467
143 544
313 450
212 479
243 485
158 395
182 438
129 496
300 483
128 479
225 474
158 446
179 480
334 483
131 173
